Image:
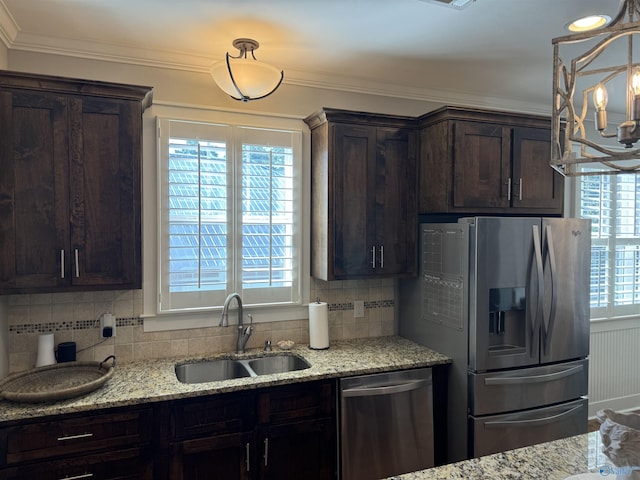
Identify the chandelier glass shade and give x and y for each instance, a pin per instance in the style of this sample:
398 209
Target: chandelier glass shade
243 77
596 108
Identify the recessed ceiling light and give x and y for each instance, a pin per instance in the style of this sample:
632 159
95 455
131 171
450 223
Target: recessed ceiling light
590 22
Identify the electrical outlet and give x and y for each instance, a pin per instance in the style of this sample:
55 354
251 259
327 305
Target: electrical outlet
358 308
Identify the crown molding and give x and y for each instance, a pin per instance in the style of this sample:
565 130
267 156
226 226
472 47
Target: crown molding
175 60
8 26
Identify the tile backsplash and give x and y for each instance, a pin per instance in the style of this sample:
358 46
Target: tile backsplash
75 317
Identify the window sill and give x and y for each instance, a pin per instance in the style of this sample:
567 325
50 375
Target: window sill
614 323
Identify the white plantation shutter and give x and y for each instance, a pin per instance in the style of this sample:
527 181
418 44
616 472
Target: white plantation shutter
612 202
228 218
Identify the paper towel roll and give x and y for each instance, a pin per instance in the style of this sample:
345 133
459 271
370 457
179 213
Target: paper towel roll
318 325
45 350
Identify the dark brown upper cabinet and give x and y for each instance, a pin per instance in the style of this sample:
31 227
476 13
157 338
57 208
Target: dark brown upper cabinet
485 162
70 184
363 195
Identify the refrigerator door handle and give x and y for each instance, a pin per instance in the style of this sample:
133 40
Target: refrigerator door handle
549 254
547 377
531 422
537 260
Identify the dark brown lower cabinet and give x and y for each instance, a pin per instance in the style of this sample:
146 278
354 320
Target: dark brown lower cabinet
131 464
105 445
274 433
219 457
298 450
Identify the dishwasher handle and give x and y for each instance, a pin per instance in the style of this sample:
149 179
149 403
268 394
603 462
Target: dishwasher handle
385 389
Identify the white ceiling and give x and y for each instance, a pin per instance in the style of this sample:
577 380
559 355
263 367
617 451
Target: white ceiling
494 49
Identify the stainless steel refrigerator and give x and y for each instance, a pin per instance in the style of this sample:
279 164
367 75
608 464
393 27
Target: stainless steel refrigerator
508 299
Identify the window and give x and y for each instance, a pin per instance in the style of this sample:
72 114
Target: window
612 202
229 215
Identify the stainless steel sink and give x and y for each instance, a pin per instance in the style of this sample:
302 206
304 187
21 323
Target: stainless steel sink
211 371
277 364
229 369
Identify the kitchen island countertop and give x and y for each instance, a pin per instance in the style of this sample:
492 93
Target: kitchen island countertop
155 380
555 460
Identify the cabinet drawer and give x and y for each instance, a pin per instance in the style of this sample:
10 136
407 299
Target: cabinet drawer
84 434
297 402
218 414
124 464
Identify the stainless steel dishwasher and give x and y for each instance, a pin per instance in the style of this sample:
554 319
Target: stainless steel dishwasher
386 424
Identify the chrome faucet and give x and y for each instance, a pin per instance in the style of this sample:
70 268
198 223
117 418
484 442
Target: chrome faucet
243 334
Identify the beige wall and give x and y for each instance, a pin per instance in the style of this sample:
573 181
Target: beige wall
75 317
72 317
198 88
4 57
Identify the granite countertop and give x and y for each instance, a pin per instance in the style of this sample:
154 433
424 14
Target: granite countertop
580 455
154 380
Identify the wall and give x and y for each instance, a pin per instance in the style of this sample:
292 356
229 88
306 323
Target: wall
614 381
4 56
193 88
75 317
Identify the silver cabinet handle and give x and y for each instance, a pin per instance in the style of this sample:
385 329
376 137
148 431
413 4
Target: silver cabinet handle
373 256
547 377
385 389
75 437
520 190
266 451
381 256
247 460
77 266
534 421
61 263
76 477
509 189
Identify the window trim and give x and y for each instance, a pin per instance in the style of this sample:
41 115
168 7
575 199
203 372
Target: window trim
610 313
207 317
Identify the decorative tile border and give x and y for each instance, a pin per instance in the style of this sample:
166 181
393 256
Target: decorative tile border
47 327
337 307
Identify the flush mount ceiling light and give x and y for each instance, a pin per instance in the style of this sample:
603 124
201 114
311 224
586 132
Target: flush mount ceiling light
587 23
602 71
245 78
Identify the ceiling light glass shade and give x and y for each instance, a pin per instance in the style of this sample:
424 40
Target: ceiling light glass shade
596 103
254 79
588 23
245 78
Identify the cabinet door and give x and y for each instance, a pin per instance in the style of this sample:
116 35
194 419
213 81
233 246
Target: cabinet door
536 184
221 457
394 202
353 181
304 450
34 202
132 464
105 156
481 165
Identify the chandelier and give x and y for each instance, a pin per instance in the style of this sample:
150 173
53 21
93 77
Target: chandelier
244 78
596 107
